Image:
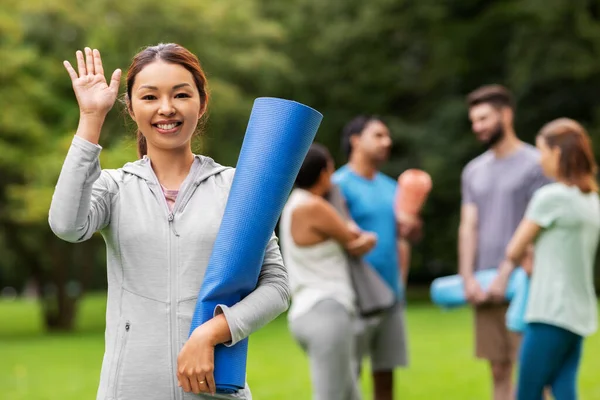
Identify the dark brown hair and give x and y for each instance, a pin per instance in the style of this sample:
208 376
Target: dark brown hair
356 127
170 53
496 95
577 164
316 161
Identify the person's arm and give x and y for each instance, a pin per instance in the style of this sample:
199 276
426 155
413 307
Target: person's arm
196 360
410 227
325 220
83 194
521 240
467 240
82 198
527 261
467 249
233 324
543 210
516 251
270 298
404 250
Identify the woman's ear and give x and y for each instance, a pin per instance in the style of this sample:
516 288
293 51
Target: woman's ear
129 107
556 152
325 177
202 110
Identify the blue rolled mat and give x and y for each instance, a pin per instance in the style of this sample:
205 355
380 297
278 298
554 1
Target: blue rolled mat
449 291
515 315
277 139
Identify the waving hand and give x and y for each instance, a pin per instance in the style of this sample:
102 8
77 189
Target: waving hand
95 96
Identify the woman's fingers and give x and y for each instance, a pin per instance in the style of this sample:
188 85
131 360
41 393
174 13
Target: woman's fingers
80 63
357 243
115 81
184 382
89 61
196 386
70 70
89 64
98 62
212 386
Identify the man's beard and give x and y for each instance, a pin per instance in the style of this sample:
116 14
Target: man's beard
377 158
496 136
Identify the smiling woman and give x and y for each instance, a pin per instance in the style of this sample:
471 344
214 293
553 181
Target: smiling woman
165 78
159 217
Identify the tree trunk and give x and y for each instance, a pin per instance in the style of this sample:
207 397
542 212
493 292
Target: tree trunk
59 300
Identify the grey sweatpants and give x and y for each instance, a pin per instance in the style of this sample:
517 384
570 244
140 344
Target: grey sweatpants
327 334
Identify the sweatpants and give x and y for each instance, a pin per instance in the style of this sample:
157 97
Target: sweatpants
549 357
326 333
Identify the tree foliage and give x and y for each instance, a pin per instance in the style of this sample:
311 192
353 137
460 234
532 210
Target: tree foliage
410 62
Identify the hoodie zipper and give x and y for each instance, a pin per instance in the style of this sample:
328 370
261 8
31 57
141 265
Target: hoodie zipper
172 307
172 267
183 197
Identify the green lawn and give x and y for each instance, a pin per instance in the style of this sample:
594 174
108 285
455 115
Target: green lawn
65 367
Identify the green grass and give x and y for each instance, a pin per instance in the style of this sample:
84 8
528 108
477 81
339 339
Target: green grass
34 365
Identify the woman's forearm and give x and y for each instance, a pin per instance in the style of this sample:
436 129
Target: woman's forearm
90 126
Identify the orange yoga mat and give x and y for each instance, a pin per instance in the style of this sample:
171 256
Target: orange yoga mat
414 186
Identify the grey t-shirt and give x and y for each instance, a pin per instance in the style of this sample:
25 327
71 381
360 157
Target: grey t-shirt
500 188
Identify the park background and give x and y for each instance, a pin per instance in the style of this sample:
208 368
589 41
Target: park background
410 62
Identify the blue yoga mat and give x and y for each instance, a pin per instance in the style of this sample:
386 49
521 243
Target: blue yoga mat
515 316
449 291
277 139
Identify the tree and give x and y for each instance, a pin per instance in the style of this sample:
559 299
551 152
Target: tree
40 112
413 64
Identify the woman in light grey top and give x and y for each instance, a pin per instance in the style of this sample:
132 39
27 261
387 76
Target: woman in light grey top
322 316
159 217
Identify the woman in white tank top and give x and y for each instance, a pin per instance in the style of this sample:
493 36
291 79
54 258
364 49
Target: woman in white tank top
314 238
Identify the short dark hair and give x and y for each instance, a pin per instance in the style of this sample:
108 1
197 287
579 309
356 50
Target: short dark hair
496 95
355 127
314 163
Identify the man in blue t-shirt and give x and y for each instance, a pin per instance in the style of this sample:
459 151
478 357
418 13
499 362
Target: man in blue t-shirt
370 198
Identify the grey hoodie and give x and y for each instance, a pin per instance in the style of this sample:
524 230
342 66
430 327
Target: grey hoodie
156 260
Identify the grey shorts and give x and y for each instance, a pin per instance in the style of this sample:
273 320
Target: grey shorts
384 340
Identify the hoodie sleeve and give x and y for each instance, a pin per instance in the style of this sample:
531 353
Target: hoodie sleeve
83 194
270 298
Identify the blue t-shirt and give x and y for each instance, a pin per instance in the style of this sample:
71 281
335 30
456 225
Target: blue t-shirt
371 205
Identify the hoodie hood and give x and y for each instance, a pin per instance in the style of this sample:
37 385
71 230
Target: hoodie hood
207 167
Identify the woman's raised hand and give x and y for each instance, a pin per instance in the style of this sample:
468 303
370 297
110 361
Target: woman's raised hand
94 95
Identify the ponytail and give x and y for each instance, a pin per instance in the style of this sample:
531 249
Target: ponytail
142 146
587 184
577 164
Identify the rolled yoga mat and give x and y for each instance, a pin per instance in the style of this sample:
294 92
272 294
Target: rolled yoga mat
515 316
277 139
449 291
414 186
